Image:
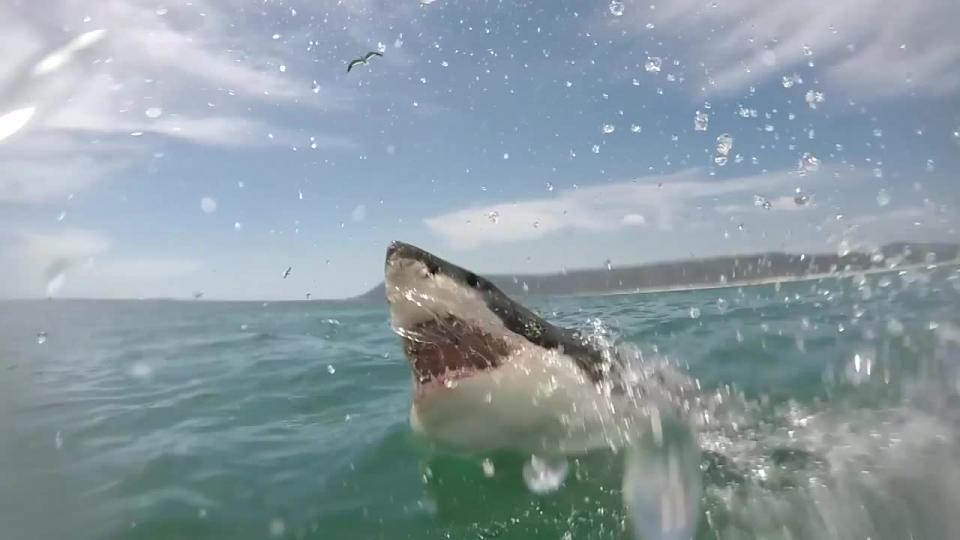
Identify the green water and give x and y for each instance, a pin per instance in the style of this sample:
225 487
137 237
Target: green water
161 420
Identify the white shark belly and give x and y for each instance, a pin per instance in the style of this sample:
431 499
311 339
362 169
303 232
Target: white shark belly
538 401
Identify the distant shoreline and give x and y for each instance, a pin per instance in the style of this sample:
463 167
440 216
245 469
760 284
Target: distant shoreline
765 281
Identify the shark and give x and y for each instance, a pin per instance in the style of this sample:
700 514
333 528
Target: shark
490 374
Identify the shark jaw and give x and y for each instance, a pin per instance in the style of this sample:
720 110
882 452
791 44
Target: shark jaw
488 374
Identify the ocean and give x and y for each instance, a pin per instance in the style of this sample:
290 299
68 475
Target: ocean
834 414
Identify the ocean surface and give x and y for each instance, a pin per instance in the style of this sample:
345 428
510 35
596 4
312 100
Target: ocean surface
834 414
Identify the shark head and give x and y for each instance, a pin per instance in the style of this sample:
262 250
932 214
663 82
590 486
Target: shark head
487 372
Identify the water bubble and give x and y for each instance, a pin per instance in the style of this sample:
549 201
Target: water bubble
813 98
883 197
153 112
762 202
808 163
653 64
549 186
635 128
488 469
701 121
330 369
694 313
800 199
493 216
807 51
208 205
544 475
608 128
41 338
595 149
616 8
277 527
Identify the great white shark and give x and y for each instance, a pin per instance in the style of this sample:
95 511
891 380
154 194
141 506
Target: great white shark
490 374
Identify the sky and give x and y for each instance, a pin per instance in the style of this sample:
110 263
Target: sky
153 148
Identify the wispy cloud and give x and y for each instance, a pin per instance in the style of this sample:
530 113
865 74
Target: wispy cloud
870 48
656 201
122 70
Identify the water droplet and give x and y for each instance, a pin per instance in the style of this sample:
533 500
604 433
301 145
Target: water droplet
694 313
700 121
636 128
800 199
595 149
653 64
208 205
237 226
58 440
883 197
161 11
488 469
807 51
843 249
761 202
544 475
141 370
808 163
895 327
153 112
277 527
608 128
724 145
276 36
813 98
609 264
616 8
790 80
877 132
41 338
931 166
62 215
493 216
549 186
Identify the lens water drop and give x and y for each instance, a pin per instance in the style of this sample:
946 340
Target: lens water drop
544 475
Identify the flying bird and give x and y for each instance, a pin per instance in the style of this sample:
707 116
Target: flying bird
286 273
366 58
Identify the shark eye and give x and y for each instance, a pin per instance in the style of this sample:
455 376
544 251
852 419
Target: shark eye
472 280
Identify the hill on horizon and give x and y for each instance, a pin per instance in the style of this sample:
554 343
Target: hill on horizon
709 271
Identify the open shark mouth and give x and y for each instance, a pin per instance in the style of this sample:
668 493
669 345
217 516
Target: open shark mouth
443 350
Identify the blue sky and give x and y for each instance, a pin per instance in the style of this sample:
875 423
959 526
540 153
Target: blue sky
484 134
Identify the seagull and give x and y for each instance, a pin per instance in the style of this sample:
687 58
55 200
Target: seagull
286 272
366 58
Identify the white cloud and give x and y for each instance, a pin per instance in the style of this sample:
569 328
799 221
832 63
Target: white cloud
83 72
660 199
867 47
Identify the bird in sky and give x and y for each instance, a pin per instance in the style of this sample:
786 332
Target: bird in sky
286 273
363 60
